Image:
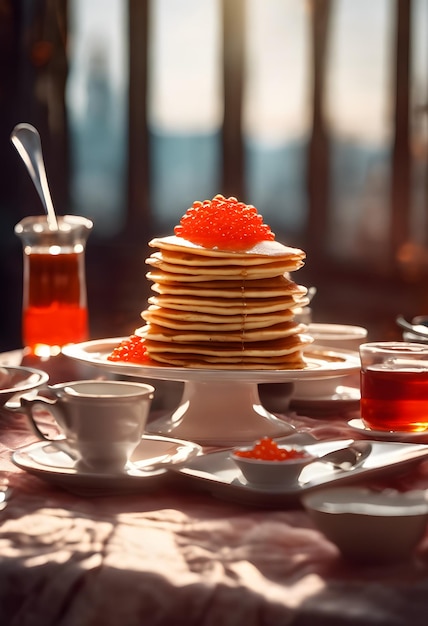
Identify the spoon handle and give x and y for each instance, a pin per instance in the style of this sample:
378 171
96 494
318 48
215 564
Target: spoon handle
415 329
26 140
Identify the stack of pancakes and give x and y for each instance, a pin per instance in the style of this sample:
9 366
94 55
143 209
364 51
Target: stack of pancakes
224 310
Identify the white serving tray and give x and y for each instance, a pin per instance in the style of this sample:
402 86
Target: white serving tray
217 474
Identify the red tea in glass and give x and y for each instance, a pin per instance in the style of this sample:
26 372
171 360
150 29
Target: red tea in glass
394 386
54 299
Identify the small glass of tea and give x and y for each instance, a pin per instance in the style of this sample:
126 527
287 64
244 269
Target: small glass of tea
394 386
55 310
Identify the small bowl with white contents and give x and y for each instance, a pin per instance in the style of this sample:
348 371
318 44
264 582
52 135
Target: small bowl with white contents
269 465
369 526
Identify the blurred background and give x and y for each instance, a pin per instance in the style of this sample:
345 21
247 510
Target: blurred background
315 111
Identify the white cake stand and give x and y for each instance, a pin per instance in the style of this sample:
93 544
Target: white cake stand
219 407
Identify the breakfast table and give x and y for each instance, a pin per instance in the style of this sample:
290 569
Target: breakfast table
175 554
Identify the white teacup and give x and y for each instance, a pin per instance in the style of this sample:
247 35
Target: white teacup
102 421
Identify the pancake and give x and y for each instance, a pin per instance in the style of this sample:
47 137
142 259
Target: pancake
285 354
232 306
263 363
264 248
166 273
210 320
220 333
179 259
278 286
264 270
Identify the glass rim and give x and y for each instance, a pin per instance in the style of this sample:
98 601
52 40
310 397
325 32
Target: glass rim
70 220
393 347
119 389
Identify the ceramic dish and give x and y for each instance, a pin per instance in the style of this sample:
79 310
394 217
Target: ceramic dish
369 526
342 395
342 336
345 401
263 473
321 363
16 380
316 389
149 463
358 425
217 474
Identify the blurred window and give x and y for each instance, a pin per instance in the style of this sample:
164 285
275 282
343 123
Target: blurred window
358 112
277 112
419 123
185 105
97 105
351 128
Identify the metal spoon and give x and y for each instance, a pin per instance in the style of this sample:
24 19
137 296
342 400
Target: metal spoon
417 329
26 140
347 458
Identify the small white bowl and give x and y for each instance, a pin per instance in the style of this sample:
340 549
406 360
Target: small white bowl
334 337
368 526
320 389
18 379
263 473
341 336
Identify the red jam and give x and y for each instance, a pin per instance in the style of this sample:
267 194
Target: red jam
223 223
268 450
131 350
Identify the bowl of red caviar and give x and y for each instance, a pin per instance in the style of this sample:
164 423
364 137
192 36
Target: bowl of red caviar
268 464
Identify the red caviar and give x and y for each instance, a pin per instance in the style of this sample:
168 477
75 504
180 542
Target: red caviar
223 223
266 449
130 350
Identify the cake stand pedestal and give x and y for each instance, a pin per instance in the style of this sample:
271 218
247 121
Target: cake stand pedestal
220 413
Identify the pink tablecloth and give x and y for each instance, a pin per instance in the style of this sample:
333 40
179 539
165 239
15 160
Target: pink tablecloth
177 556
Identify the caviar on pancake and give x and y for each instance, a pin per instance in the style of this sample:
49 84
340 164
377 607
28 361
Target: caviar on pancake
223 223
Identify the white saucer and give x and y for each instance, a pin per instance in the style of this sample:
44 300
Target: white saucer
46 461
340 394
358 424
343 398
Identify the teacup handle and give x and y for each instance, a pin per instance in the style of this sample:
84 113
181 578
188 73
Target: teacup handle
29 404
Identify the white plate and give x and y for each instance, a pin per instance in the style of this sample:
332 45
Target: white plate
358 424
342 394
219 407
46 461
321 363
218 474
